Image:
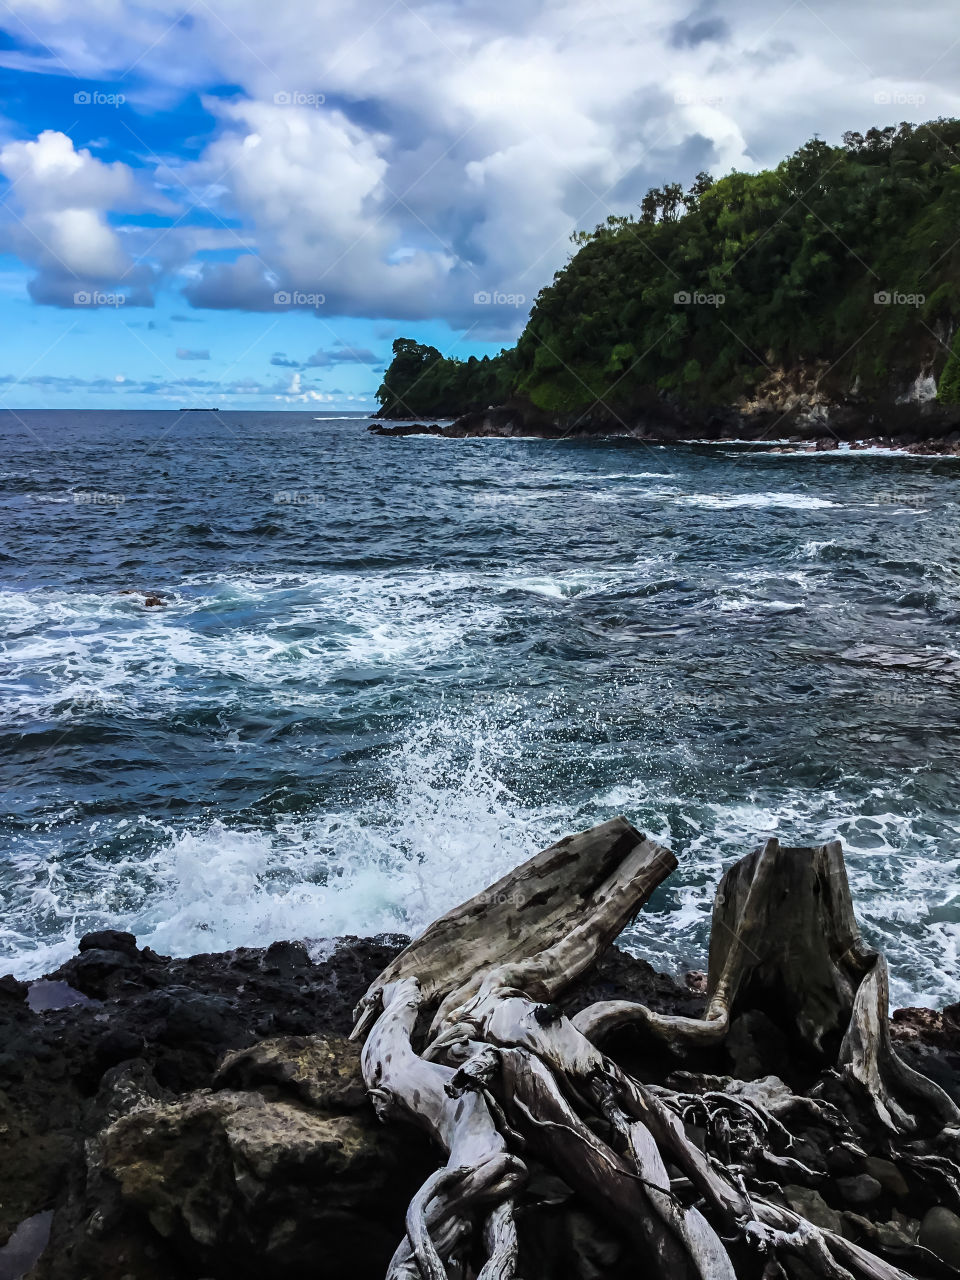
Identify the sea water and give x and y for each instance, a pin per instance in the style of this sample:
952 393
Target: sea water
385 671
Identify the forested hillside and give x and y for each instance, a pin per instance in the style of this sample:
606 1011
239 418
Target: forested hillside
843 257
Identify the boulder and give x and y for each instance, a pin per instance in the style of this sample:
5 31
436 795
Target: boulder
12 988
811 1204
862 1189
888 1175
940 1233
299 1180
109 940
320 1071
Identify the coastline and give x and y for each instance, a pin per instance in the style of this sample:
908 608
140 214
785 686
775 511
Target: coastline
795 423
930 447
247 1051
261 1152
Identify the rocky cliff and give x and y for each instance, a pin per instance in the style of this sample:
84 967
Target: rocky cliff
805 404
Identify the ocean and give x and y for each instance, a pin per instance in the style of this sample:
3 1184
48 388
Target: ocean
385 671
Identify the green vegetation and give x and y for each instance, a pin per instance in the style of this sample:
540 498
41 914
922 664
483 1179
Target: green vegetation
948 388
711 289
421 383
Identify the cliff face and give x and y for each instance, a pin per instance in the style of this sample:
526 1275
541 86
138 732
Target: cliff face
803 404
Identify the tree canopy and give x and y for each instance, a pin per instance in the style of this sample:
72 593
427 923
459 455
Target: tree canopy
842 255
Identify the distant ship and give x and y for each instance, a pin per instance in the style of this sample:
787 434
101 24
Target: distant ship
201 409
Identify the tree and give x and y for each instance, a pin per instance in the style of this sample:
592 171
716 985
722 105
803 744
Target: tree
698 188
672 201
650 206
411 362
796 252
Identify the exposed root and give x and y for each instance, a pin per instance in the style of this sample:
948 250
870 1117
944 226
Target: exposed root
505 1077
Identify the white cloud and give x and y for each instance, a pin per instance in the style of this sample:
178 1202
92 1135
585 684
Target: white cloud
314 186
458 144
63 196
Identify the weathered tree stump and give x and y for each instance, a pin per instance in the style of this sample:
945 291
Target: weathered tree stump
466 1041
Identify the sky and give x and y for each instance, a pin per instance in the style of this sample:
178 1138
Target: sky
244 203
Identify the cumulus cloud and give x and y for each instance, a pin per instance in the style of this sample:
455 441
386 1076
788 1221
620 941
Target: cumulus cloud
399 160
185 353
62 228
313 185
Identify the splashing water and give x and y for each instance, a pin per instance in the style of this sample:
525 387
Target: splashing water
353 713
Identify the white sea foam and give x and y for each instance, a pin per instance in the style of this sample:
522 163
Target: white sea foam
577 582
437 822
439 826
286 636
898 877
813 549
791 501
740 604
440 829
847 450
70 648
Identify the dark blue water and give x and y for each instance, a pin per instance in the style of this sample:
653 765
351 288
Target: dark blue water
387 670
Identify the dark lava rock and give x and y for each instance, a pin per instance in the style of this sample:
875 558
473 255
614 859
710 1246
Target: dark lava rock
696 980
109 940
249 1158
286 958
940 1233
206 1118
251 1183
811 1204
12 988
620 976
929 1041
862 1189
888 1175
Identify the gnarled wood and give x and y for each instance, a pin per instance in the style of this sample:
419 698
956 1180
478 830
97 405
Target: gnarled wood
480 1175
784 938
502 1071
570 900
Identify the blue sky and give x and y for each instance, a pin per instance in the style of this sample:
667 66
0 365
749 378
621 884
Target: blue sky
245 205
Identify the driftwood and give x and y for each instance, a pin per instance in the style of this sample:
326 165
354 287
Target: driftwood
464 1038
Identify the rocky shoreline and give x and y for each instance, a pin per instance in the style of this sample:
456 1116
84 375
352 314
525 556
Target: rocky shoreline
932 446
799 420
269 1159
206 1117
927 447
